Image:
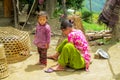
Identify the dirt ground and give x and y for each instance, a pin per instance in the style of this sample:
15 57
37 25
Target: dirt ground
100 69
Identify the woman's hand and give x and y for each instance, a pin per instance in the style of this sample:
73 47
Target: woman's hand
39 45
87 66
47 46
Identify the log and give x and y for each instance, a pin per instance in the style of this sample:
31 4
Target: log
93 37
97 35
107 38
95 43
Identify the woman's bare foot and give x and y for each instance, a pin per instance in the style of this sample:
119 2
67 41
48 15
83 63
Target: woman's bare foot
54 57
58 67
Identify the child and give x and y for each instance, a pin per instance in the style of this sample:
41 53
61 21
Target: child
42 38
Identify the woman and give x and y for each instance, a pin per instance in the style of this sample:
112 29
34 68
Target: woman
73 51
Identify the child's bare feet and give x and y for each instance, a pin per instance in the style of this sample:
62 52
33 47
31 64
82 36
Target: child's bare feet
38 63
42 66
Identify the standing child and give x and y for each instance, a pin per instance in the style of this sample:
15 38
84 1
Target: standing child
42 38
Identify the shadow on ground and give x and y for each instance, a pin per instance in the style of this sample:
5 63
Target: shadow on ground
31 68
69 72
117 77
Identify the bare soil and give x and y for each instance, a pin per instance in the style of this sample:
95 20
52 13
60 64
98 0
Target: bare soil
100 69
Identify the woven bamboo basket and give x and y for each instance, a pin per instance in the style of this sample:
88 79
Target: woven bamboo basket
16 44
3 63
3 68
2 52
77 22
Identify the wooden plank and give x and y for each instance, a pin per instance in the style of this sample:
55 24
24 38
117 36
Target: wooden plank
8 8
15 13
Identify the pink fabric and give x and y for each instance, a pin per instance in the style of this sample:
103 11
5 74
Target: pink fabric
80 42
42 35
41 1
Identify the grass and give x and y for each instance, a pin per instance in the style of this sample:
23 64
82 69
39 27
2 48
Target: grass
93 26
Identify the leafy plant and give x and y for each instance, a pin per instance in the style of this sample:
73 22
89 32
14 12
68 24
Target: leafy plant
93 26
86 15
23 1
75 4
95 17
58 10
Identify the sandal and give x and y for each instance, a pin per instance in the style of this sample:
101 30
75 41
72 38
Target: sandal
54 69
50 70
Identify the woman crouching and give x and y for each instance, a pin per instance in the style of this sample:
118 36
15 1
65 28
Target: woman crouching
73 51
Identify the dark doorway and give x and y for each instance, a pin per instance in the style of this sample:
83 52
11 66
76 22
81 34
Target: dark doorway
1 8
6 13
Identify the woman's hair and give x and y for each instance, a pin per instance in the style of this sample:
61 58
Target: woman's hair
65 24
43 13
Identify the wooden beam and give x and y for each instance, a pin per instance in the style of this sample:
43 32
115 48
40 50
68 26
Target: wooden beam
8 8
64 8
15 13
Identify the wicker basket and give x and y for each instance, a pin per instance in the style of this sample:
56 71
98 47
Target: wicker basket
77 22
2 52
16 44
3 68
3 63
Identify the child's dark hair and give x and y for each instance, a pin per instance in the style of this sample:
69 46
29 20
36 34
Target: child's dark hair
65 24
43 13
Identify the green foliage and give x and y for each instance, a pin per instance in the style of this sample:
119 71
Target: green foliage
86 15
72 4
23 1
93 26
95 17
58 11
75 4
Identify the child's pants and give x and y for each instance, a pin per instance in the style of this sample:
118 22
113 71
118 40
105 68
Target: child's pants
42 55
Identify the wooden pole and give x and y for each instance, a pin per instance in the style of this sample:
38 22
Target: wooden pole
62 37
90 8
28 15
15 13
64 8
8 8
